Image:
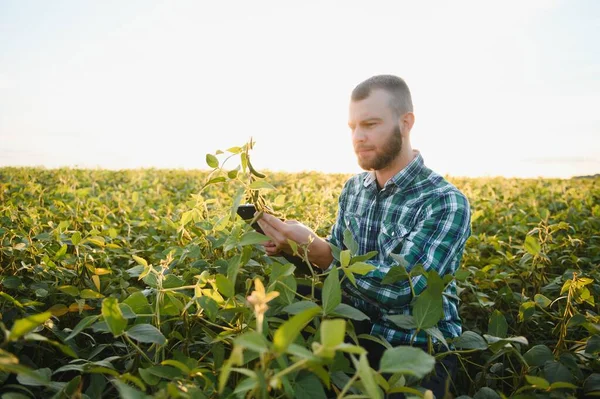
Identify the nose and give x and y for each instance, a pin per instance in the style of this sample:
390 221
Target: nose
358 135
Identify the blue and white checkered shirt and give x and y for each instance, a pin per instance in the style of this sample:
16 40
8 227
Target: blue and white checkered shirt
417 215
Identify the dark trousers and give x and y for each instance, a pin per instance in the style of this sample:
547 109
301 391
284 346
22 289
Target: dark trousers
439 381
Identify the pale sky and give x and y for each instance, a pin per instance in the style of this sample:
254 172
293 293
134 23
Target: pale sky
508 88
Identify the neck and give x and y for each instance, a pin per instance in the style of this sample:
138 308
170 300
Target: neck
405 157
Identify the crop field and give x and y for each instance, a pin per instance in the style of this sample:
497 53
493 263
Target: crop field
146 283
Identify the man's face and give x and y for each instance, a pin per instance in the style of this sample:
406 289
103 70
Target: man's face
376 134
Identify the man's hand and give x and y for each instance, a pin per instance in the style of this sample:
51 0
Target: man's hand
319 251
280 232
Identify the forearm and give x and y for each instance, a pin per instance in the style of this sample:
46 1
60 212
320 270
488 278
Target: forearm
319 253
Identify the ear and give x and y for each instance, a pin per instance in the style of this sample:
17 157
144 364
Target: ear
406 122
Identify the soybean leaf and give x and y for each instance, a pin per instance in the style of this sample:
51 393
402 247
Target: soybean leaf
146 333
348 311
428 309
497 326
332 292
407 360
289 330
27 324
252 340
113 316
332 332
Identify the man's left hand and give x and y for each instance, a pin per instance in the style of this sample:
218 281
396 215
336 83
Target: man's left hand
280 232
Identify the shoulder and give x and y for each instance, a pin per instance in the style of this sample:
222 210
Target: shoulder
354 184
443 195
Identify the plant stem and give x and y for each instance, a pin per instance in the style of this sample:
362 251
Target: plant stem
290 368
348 385
138 348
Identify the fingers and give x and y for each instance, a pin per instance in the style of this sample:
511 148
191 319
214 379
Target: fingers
273 221
276 236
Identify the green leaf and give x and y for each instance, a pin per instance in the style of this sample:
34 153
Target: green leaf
332 292
128 392
407 360
332 332
113 316
350 242
348 311
289 330
361 268
470 340
542 301
172 281
366 376
300 306
497 325
210 306
428 309
537 382
577 320
69 290
526 310
82 325
350 276
308 386
418 270
404 321
27 325
138 303
71 388
252 237
538 355
261 184
395 274
11 282
36 378
486 393
532 245
184 368
435 284
146 333
345 257
562 385
592 383
364 257
462 274
86 293
437 334
76 238
212 161
555 372
252 340
593 345
215 180
225 286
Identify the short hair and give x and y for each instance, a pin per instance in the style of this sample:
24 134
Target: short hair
401 101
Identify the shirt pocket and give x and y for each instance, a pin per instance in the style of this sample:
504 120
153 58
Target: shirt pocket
391 240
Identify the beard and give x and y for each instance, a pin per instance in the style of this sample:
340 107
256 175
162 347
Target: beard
383 158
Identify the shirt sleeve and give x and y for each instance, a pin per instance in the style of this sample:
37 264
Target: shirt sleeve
436 242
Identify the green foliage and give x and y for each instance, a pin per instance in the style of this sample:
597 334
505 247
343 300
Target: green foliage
144 284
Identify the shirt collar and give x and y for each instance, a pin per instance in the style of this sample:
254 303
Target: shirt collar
402 178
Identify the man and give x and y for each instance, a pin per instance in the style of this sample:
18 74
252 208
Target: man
399 206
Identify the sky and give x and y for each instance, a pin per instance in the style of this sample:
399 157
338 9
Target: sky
507 88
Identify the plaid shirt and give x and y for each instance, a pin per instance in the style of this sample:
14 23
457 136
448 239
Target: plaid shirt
418 215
